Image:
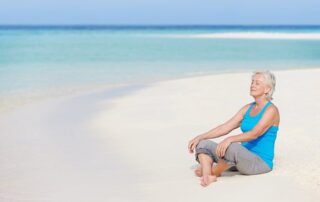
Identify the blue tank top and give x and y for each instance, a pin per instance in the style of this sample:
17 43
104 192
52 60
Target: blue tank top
263 146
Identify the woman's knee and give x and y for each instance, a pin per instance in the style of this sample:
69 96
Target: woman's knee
206 144
207 147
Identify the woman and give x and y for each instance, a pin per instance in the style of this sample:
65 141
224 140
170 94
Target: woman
250 152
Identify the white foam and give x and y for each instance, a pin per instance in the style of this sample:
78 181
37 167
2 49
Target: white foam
250 35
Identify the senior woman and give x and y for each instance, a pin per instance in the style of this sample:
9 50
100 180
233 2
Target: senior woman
250 152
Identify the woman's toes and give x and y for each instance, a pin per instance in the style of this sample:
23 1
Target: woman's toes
202 182
206 180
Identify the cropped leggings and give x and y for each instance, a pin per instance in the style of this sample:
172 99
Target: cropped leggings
245 161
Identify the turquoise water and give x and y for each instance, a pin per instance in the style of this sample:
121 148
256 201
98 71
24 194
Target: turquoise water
33 58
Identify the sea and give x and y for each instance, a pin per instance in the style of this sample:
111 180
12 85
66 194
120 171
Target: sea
54 59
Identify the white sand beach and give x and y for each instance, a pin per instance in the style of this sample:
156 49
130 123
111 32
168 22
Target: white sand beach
131 145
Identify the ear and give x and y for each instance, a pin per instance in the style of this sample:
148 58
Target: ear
267 90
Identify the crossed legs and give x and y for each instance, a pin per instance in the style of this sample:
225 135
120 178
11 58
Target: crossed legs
246 162
206 172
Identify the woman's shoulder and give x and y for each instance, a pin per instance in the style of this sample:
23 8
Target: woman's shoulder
245 108
272 111
272 107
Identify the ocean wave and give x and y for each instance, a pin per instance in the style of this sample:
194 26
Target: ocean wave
249 35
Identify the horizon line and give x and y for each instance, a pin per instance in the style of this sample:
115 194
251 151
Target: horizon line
154 25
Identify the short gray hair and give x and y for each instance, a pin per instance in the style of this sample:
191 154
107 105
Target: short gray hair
270 80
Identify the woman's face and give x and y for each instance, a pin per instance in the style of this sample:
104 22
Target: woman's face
258 86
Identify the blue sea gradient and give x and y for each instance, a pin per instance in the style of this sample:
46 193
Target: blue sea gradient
43 57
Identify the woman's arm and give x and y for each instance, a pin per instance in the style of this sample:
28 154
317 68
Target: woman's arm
221 130
263 125
225 128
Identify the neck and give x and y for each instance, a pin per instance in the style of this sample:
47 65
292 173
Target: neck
260 102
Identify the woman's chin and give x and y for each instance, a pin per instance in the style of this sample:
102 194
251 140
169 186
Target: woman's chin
253 95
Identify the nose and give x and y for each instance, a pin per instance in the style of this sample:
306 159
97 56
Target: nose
252 87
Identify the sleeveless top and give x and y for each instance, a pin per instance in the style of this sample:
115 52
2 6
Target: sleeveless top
263 146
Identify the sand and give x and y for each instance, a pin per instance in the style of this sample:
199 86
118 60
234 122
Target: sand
131 144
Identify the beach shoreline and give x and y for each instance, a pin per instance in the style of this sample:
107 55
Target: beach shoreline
10 101
99 144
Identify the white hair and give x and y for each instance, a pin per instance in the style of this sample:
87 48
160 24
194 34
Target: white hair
270 80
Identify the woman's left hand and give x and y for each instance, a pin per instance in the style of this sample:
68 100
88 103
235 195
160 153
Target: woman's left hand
222 147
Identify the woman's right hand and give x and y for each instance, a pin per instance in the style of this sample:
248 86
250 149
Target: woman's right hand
193 143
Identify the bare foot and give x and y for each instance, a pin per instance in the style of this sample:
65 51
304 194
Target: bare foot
198 171
208 179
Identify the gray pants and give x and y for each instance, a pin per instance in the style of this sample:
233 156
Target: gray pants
238 156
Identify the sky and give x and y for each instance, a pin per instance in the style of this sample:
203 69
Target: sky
157 12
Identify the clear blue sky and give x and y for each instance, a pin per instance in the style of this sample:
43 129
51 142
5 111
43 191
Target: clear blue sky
160 12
